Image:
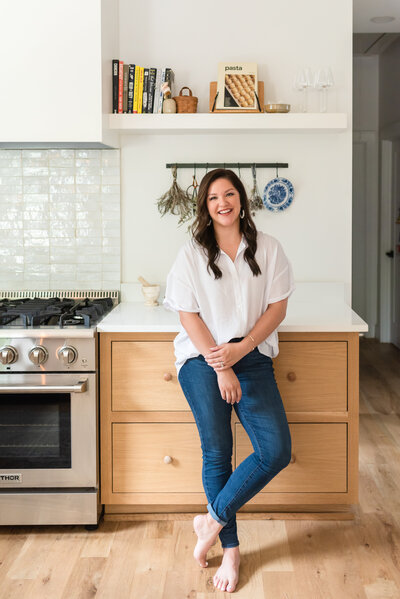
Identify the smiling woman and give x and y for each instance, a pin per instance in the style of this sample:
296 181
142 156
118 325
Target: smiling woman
223 216
223 203
230 284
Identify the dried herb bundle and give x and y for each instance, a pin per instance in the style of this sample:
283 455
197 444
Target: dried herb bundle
176 201
255 199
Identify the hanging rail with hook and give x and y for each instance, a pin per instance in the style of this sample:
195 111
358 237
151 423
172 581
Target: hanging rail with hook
194 165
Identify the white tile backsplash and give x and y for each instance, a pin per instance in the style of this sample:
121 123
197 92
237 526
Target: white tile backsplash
60 219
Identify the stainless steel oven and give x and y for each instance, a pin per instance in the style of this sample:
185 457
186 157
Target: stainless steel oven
49 471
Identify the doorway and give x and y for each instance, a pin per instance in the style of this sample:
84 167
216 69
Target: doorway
376 185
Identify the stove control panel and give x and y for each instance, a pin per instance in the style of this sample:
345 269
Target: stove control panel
49 354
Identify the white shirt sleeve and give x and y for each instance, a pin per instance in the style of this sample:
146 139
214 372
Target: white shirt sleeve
179 293
282 285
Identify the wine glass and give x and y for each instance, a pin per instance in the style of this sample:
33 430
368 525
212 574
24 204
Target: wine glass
323 80
302 81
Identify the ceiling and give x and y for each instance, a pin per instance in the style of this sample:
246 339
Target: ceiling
364 10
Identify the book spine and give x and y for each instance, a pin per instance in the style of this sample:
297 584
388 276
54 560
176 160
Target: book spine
160 99
136 90
131 87
140 93
157 92
152 83
145 89
115 65
169 77
120 86
125 89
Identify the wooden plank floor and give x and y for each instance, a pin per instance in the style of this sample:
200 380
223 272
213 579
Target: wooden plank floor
281 559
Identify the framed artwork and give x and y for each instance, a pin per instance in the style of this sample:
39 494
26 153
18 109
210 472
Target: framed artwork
236 86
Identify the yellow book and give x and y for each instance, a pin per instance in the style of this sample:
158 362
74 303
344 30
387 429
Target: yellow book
140 92
136 89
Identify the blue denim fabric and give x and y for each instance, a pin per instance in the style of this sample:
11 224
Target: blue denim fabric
261 413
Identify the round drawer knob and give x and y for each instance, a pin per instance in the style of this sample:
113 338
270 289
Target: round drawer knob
292 458
167 459
291 376
167 376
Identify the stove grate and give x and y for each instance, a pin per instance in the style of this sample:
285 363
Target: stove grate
60 293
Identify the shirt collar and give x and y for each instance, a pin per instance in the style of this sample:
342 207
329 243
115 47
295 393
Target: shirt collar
242 246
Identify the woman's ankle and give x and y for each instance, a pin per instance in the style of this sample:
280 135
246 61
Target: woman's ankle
212 522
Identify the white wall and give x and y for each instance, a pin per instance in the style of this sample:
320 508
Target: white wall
316 229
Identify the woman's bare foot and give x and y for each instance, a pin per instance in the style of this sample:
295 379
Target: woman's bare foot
227 575
207 530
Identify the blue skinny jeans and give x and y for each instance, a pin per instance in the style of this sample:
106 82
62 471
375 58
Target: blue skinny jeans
261 413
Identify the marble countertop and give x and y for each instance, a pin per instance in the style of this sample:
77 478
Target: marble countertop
302 316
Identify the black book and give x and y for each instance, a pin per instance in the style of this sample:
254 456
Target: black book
145 89
131 87
151 87
115 66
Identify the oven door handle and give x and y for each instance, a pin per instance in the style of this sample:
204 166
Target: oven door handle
80 387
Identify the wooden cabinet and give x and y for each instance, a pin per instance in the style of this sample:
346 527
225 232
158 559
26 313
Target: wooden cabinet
150 447
144 377
312 375
319 458
156 457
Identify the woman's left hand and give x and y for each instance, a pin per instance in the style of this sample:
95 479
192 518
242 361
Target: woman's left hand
225 355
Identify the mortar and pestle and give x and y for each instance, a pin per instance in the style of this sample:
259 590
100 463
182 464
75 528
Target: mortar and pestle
150 292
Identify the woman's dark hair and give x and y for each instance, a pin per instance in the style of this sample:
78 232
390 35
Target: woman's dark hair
203 230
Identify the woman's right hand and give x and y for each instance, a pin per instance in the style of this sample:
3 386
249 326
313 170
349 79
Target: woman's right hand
229 386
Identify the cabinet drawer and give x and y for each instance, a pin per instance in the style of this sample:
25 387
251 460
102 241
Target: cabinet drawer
312 375
138 452
144 377
319 451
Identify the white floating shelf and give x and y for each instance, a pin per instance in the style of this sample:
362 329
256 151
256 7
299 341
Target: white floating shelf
198 123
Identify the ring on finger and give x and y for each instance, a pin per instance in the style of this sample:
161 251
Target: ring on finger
221 364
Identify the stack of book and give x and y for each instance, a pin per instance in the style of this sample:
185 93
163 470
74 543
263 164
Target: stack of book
138 89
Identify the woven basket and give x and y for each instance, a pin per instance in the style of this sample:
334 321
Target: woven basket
186 103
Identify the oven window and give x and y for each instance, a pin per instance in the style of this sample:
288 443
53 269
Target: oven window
35 430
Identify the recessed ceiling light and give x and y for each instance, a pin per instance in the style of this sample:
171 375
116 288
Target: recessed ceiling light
382 19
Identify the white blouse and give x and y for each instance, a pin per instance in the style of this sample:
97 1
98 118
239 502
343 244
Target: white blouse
229 306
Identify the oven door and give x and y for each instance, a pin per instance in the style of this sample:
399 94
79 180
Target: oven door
48 430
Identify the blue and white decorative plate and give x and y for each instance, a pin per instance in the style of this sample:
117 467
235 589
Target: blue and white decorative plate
278 194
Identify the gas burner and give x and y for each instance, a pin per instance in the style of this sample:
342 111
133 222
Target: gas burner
53 312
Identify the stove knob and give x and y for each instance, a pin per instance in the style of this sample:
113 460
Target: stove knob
67 355
8 354
38 355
